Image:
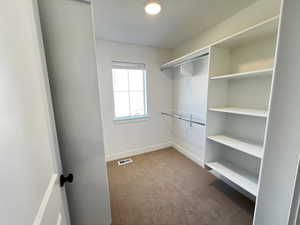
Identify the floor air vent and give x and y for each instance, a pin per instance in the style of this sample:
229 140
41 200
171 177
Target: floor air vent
124 161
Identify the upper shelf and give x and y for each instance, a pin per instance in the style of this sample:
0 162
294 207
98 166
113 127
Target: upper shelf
266 72
186 58
262 29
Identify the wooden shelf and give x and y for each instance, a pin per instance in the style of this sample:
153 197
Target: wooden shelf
241 111
266 72
241 177
251 149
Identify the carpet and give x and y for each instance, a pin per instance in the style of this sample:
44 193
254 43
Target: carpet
166 188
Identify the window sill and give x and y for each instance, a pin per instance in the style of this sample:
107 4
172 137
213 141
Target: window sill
132 119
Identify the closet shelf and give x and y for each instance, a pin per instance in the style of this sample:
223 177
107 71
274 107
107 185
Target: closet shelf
259 30
251 149
241 111
245 179
266 72
255 32
186 58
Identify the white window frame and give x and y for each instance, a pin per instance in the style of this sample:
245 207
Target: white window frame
129 65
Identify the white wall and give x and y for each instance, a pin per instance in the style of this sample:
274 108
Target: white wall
190 97
125 138
259 11
188 94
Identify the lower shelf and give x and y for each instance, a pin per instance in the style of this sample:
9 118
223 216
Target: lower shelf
239 176
251 149
241 111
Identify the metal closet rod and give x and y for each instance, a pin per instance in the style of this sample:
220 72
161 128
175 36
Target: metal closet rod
182 118
185 61
193 59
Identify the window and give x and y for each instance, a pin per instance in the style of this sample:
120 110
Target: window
129 89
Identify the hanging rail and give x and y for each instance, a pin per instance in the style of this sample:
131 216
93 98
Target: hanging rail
196 55
177 116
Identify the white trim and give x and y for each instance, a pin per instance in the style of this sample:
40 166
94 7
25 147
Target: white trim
44 203
128 65
189 155
100 99
109 221
127 119
59 219
137 151
293 217
157 147
84 1
199 161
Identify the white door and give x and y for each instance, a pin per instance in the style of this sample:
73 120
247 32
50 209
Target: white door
69 41
30 192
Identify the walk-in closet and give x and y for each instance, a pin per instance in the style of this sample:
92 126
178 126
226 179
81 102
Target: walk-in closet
150 112
236 87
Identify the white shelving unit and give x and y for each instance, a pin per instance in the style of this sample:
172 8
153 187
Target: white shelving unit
239 176
251 149
239 86
241 111
240 70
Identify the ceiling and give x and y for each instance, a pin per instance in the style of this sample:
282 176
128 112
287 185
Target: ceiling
179 20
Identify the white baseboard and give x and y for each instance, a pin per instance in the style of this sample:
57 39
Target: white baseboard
198 160
110 221
188 154
201 163
152 148
137 151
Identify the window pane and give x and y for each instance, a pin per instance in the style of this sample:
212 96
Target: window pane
137 103
120 79
121 104
129 91
136 80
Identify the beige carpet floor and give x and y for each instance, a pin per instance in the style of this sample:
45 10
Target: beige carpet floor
166 188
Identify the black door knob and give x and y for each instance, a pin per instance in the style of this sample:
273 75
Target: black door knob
63 179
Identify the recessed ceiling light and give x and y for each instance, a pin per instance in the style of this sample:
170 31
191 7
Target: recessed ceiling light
152 7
